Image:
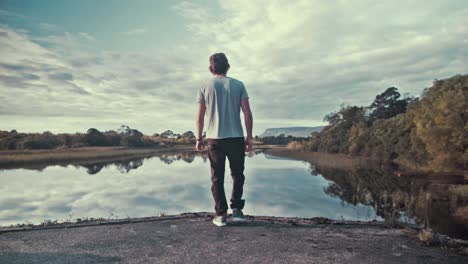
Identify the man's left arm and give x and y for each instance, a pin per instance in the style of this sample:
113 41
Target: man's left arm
200 123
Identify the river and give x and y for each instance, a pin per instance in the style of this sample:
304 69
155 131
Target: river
173 183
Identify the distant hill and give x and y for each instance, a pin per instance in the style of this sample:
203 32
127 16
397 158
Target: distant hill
293 131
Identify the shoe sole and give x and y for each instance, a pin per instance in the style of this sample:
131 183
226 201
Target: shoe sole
239 219
219 224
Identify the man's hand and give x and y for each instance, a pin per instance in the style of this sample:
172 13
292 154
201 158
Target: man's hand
248 144
199 145
248 123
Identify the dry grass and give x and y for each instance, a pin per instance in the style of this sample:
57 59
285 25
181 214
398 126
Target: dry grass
462 214
28 157
74 154
426 236
322 159
345 162
460 190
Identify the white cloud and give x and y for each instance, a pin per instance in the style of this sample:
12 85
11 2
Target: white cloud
87 36
308 57
87 88
298 61
48 26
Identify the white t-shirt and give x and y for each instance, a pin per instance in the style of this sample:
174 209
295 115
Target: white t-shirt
222 96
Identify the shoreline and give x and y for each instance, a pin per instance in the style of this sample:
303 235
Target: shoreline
259 230
85 155
13 158
345 162
293 221
286 220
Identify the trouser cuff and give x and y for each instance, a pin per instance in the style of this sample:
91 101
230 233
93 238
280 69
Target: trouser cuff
238 204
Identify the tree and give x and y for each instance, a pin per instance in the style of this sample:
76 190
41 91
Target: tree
387 104
188 134
95 138
346 116
332 118
93 131
167 133
427 133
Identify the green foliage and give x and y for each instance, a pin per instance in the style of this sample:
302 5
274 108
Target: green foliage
166 134
440 121
422 134
282 139
333 138
188 134
23 141
95 138
387 105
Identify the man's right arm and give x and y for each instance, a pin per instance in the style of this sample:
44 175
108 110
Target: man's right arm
248 119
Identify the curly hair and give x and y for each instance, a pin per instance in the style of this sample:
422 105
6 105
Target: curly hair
219 63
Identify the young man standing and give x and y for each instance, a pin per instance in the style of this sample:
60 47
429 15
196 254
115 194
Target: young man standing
221 99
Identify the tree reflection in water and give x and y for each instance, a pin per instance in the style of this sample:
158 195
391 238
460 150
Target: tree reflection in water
188 157
437 203
126 165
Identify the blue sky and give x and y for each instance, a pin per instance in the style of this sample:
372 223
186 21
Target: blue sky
105 20
66 66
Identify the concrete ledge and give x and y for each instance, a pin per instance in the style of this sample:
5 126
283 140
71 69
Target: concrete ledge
192 238
293 221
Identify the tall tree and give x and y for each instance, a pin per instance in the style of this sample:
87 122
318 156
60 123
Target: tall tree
188 134
387 104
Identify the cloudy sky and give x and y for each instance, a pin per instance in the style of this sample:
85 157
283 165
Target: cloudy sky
66 66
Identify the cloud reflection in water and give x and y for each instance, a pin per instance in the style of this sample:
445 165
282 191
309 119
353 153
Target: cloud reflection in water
169 183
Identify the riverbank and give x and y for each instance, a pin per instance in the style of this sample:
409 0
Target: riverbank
192 238
346 162
12 158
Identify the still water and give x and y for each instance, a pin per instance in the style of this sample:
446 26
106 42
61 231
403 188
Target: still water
180 182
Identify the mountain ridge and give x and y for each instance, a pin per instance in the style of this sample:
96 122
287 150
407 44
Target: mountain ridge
290 131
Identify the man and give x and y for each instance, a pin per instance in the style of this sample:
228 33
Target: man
221 98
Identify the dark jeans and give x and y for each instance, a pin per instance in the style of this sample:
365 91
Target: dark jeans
218 150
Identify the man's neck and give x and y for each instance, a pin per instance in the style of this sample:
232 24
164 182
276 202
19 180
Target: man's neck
219 75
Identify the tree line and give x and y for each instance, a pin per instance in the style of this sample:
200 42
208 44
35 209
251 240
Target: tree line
124 136
421 133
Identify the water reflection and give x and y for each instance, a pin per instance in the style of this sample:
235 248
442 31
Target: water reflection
440 202
274 186
126 165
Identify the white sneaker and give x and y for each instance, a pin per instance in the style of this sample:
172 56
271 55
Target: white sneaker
220 220
238 216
